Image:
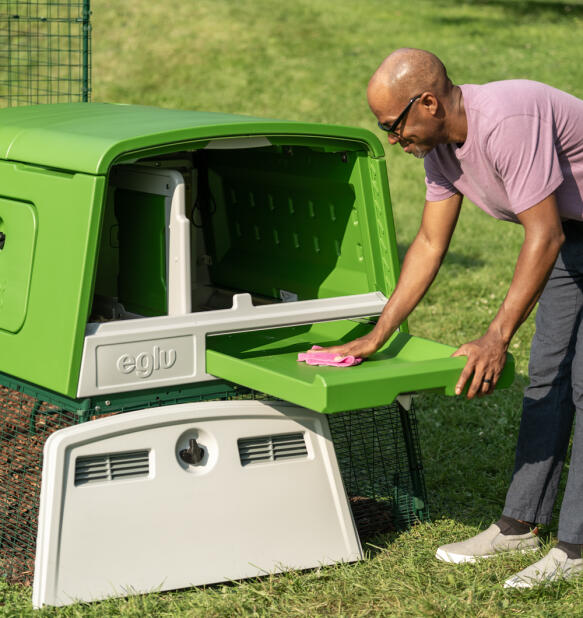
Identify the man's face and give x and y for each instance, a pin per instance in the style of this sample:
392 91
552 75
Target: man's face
414 131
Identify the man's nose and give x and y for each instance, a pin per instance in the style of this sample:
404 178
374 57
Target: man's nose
393 139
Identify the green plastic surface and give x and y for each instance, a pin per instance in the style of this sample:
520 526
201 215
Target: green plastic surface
302 224
47 348
267 361
18 223
56 159
88 137
142 252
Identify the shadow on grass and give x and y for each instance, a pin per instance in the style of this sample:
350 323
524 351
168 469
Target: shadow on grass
464 21
378 544
453 258
531 8
468 453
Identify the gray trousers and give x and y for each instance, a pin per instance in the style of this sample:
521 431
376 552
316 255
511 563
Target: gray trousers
553 400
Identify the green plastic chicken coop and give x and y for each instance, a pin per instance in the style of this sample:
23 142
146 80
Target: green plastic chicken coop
152 260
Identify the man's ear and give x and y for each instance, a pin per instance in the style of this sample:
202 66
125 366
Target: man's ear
430 103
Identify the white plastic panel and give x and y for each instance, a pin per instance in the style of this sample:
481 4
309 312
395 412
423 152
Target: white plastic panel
121 512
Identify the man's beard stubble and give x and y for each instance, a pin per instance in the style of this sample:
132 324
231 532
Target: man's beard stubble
419 154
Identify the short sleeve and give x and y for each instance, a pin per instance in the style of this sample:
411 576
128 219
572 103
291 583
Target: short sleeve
437 186
523 152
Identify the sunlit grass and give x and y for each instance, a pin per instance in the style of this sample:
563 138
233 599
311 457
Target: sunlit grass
310 60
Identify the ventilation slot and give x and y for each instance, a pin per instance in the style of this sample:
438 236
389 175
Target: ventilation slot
113 467
272 448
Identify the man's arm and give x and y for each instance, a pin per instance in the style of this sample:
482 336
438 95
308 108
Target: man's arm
420 266
543 237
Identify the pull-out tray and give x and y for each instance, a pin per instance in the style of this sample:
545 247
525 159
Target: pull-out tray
266 360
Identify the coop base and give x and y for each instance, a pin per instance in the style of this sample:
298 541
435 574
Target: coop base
377 452
127 508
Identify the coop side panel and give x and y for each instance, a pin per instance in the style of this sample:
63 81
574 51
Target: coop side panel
46 346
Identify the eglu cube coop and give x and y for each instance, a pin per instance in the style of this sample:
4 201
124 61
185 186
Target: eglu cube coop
171 265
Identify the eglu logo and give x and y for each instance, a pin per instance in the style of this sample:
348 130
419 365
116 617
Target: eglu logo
145 363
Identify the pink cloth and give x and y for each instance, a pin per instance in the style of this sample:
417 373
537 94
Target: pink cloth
327 358
524 142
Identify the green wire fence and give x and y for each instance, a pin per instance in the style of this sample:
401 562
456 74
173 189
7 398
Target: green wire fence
45 51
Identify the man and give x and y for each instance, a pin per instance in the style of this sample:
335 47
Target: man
514 148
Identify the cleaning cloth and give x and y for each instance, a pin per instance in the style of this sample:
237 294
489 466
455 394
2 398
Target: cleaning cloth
327 358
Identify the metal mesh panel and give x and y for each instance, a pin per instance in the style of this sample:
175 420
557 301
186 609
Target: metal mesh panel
44 51
25 423
380 462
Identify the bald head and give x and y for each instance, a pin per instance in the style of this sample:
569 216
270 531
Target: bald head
407 72
411 87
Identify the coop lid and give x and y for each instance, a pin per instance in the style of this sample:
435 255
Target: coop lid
267 361
88 137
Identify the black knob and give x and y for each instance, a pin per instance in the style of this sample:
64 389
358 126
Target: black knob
193 454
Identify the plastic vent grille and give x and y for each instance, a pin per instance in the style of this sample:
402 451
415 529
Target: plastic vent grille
264 449
113 467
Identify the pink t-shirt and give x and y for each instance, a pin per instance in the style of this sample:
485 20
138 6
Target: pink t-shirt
525 140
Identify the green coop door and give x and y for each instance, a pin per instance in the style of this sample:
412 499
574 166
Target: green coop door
17 240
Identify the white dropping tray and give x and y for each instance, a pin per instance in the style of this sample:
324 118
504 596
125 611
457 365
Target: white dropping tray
122 513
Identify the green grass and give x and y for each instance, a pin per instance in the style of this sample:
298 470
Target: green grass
311 60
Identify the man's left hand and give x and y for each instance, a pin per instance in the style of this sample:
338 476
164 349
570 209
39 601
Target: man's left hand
486 358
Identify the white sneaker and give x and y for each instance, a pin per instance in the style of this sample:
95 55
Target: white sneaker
555 565
487 544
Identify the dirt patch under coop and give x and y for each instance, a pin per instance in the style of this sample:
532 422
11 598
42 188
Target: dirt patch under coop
25 424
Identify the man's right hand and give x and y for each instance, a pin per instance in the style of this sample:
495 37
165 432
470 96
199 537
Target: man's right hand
363 347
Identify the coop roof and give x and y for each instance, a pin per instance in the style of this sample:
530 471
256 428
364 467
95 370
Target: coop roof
88 137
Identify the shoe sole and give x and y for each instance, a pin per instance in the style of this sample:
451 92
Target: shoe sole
532 582
445 556
511 583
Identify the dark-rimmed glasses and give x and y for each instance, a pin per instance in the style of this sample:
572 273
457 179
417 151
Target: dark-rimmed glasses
392 129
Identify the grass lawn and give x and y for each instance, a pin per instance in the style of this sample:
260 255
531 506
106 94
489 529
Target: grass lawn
311 60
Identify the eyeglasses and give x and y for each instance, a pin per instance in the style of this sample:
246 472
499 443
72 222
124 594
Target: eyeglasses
391 130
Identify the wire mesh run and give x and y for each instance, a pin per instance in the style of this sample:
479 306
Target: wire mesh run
379 457
25 424
45 51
